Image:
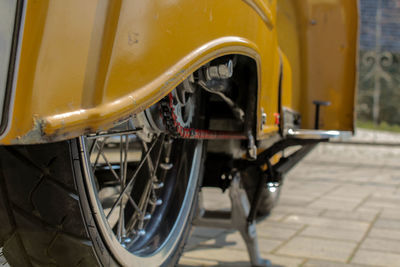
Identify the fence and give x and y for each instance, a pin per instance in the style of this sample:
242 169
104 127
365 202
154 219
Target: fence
379 62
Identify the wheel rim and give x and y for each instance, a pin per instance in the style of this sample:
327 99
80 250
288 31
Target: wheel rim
134 238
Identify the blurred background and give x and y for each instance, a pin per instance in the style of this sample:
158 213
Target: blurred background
379 65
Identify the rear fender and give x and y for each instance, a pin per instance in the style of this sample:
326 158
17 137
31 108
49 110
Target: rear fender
85 65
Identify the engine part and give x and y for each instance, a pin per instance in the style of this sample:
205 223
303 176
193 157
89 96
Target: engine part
237 111
177 130
221 71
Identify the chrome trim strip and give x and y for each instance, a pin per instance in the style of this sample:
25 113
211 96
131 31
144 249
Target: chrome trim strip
9 103
318 134
263 11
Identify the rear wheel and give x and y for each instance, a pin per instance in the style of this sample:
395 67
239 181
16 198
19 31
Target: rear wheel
107 200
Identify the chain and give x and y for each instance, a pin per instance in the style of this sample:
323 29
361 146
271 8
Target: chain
178 131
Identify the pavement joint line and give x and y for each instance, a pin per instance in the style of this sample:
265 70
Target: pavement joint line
323 195
321 213
303 262
289 239
364 237
310 259
284 217
363 201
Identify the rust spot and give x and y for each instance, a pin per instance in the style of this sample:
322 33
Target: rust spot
35 135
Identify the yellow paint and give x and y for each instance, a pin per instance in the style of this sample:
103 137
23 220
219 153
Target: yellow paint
85 65
319 38
287 82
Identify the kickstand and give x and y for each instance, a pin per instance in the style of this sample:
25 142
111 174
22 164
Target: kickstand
235 220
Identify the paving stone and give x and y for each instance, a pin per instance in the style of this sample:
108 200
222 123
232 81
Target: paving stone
221 255
225 257
333 233
376 258
276 216
279 261
359 215
381 245
384 233
194 241
320 263
188 262
388 194
364 209
335 204
324 222
316 248
295 210
235 241
393 214
294 202
284 224
381 204
388 224
351 190
274 232
327 205
207 232
214 199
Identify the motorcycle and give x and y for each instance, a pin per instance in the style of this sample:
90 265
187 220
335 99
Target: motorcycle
115 113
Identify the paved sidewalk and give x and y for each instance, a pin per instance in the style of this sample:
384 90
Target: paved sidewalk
338 207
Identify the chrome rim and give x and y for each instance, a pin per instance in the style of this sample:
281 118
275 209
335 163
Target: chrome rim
141 192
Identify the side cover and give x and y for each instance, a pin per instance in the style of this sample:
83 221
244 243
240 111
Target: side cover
319 38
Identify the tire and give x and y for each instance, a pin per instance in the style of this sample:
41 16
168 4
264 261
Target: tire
269 196
53 213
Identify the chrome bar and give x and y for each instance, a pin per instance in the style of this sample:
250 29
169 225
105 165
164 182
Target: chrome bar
108 134
318 134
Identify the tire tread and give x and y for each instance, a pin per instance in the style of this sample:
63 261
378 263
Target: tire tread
35 181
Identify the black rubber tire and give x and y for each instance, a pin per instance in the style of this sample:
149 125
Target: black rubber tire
45 216
268 201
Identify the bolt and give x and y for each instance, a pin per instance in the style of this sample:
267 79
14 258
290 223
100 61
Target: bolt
222 71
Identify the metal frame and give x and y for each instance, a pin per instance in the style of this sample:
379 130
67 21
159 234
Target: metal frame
242 216
235 220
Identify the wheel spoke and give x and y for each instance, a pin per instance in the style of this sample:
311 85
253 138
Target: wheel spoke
121 222
159 154
92 147
110 166
144 202
150 192
125 169
98 154
135 206
121 163
133 175
123 172
130 183
149 161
